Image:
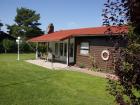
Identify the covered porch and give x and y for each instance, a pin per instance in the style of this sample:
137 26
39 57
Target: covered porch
63 51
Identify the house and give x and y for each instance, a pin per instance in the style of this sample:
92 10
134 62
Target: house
4 35
85 46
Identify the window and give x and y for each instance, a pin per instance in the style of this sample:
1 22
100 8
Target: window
61 49
56 48
71 50
65 49
84 48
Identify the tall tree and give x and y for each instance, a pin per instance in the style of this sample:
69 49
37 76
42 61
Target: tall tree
127 67
1 24
26 24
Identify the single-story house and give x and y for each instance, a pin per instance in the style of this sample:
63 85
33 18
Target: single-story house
86 47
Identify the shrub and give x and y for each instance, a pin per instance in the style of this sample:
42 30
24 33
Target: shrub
81 65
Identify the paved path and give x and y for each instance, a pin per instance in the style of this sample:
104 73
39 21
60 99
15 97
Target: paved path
60 66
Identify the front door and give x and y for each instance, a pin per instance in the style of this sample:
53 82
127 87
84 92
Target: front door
61 51
71 52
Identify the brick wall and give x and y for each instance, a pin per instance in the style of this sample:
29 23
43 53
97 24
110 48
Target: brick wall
97 45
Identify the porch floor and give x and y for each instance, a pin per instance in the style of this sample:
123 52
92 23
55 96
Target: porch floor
60 66
47 64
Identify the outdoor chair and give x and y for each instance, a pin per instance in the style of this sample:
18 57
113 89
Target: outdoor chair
50 57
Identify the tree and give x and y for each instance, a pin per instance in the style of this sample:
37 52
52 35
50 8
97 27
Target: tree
26 24
127 67
7 44
1 24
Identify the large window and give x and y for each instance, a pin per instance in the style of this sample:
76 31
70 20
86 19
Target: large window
61 49
84 48
71 50
65 49
56 48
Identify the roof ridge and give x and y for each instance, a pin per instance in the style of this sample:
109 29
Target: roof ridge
88 28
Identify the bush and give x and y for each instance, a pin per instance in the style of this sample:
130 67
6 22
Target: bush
81 65
26 48
42 48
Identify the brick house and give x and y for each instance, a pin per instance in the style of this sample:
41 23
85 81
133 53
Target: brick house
85 46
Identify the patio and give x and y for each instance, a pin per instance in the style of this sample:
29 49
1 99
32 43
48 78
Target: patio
61 66
47 64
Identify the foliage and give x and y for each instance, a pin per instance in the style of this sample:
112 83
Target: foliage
1 47
8 44
113 13
92 60
81 65
26 24
93 63
1 24
26 48
42 47
127 67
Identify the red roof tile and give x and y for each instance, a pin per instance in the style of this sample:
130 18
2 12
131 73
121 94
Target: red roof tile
64 34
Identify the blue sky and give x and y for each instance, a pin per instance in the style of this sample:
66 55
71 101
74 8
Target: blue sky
64 14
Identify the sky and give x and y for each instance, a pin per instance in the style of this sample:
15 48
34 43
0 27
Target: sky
64 14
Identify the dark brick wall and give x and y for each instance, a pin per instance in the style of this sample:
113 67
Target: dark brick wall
97 45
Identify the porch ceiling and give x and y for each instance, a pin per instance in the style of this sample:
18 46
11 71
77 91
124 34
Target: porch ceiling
64 34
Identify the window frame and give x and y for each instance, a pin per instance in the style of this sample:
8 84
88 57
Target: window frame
84 49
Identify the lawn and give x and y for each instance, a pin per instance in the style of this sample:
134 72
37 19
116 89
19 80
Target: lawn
22 83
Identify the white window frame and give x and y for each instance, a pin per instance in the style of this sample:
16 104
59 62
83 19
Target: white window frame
84 48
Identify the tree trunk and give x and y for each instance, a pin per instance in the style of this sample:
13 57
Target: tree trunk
5 51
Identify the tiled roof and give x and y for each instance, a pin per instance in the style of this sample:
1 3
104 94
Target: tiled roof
96 31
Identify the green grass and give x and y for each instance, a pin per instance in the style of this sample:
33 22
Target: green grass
22 83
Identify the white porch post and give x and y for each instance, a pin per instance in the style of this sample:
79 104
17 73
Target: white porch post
36 50
68 44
